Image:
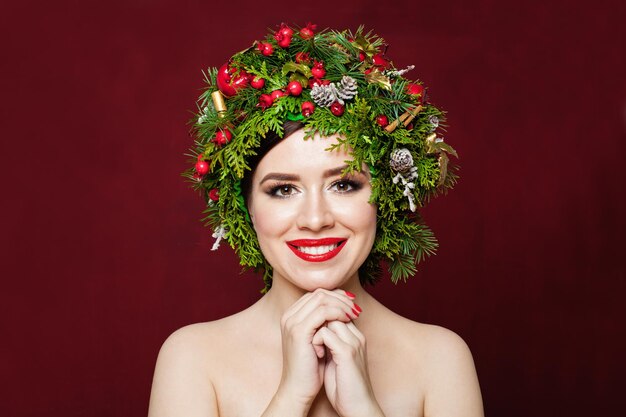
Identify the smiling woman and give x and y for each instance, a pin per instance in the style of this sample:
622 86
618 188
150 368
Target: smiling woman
301 204
317 204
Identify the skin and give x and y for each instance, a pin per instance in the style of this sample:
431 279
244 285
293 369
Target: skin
304 349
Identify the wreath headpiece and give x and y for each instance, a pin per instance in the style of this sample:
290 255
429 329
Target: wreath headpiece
335 83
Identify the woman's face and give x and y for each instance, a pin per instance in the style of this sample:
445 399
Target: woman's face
315 227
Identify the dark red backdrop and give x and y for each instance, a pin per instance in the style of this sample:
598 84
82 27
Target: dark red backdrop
104 256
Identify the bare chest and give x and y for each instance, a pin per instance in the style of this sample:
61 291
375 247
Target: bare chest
245 387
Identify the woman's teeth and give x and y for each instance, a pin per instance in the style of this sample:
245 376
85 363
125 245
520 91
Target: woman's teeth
316 250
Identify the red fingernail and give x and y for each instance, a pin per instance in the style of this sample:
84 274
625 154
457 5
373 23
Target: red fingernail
349 294
357 307
356 313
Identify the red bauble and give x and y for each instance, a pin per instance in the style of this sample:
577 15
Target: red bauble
257 83
276 94
318 70
302 57
265 101
222 137
382 120
416 90
202 168
307 32
228 84
285 30
266 48
294 88
380 61
307 108
214 194
337 108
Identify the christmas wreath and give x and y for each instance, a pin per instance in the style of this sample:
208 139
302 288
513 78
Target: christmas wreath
335 83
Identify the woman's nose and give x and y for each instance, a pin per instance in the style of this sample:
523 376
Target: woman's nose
315 213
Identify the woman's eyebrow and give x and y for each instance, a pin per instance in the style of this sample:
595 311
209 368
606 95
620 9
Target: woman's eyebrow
279 177
339 170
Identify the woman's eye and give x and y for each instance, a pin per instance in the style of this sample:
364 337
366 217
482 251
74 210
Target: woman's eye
345 186
283 190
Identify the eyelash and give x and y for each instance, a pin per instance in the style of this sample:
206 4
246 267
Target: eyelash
274 191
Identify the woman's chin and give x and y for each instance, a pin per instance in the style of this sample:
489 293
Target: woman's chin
327 280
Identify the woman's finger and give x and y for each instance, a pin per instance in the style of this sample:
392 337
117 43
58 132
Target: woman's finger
319 308
345 334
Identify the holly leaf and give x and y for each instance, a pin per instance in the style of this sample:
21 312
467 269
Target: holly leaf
292 67
303 80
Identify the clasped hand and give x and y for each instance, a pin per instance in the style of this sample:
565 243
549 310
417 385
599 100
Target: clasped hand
321 346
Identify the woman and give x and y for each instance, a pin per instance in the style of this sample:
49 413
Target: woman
316 344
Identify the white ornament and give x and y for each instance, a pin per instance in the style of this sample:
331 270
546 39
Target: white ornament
401 161
218 235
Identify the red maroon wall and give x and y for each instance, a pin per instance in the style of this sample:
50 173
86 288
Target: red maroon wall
103 255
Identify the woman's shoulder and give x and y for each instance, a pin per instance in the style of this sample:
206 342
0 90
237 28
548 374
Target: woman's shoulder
429 339
199 340
445 365
185 369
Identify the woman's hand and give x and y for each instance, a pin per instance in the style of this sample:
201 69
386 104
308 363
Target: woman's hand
346 378
303 361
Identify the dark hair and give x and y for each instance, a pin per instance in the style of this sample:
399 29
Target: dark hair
267 144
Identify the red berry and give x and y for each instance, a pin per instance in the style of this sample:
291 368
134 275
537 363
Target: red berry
409 126
257 83
361 56
307 108
294 88
228 84
302 57
276 94
265 101
307 32
367 71
222 137
382 120
282 40
337 108
214 194
202 168
266 48
318 70
285 30
380 61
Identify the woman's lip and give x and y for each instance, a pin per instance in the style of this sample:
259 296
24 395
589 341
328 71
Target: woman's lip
294 244
315 242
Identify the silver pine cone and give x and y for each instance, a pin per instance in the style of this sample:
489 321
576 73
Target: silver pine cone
324 95
401 160
347 88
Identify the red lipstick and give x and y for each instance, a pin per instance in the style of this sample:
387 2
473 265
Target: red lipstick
308 249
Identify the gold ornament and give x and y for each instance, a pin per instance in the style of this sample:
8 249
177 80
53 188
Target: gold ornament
218 103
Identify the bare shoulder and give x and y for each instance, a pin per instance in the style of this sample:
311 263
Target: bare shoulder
435 360
452 386
182 384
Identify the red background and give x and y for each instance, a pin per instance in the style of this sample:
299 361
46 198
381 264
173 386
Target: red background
104 256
